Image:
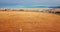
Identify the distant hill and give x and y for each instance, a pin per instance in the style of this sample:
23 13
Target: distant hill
54 7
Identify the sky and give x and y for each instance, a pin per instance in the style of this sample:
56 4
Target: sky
28 2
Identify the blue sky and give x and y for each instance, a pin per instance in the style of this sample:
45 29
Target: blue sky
28 2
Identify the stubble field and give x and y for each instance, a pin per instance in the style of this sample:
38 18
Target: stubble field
16 21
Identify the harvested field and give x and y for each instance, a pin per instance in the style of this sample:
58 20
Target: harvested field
15 21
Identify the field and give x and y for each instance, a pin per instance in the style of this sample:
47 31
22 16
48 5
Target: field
16 21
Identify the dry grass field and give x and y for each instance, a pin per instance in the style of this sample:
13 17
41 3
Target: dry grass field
15 21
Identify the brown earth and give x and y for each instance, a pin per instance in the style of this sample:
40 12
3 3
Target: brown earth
15 21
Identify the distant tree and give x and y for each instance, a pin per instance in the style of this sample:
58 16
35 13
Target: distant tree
21 10
5 9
